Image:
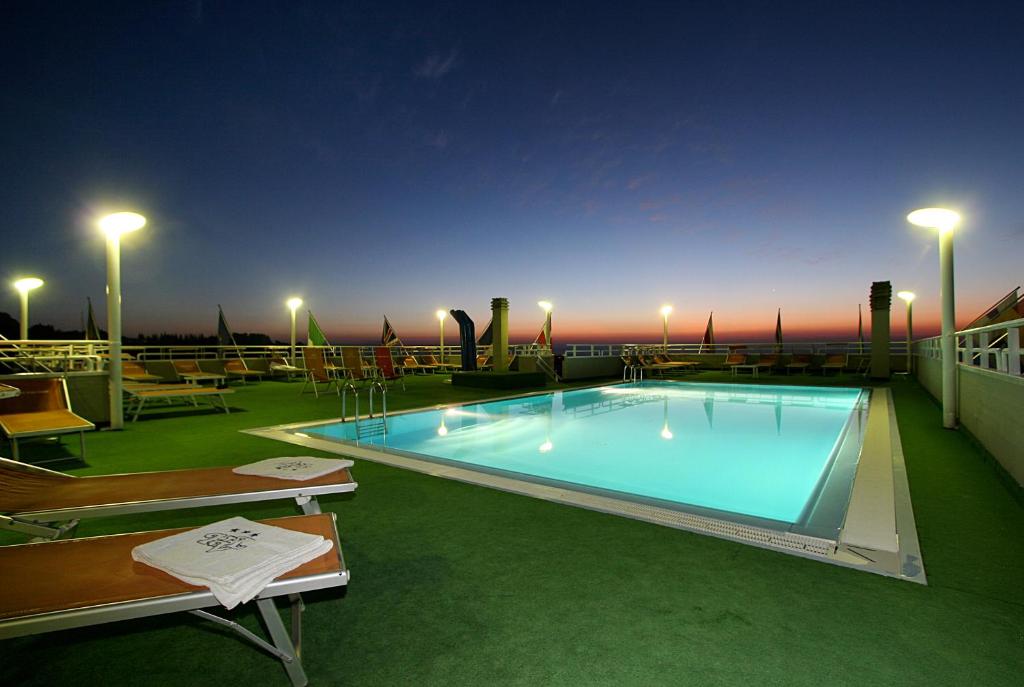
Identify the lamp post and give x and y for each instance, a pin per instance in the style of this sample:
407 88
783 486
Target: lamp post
114 226
546 306
293 305
908 297
944 221
24 286
666 310
441 314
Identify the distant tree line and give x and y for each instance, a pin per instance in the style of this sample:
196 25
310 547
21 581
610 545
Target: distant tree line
9 328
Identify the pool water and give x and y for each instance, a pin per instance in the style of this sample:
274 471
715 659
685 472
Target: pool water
784 456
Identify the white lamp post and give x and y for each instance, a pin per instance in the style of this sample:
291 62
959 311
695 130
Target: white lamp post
547 307
24 286
114 226
666 310
293 305
944 221
908 297
441 314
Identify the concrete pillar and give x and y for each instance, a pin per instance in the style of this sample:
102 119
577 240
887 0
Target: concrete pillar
881 301
499 331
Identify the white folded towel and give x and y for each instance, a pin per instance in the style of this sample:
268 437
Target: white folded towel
236 558
294 467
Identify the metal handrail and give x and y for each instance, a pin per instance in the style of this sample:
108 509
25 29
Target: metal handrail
383 399
355 392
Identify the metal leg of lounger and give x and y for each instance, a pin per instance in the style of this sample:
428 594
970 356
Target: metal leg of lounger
298 606
286 654
283 643
138 408
227 411
308 504
81 441
14 448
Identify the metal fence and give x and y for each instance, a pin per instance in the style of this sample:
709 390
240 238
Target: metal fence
695 349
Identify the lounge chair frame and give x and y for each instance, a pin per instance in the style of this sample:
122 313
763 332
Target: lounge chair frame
284 646
137 396
42 522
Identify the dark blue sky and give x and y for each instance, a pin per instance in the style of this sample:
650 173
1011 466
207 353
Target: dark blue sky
398 158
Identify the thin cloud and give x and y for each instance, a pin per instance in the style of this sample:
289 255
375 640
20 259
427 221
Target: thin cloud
436 66
439 140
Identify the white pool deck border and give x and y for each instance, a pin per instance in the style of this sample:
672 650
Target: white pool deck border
879 534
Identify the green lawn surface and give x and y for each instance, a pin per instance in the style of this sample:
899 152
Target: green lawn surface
456 584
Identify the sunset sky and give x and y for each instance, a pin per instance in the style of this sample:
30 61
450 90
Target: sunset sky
399 158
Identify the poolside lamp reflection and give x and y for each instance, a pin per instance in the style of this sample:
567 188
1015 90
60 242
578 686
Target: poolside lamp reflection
24 286
442 430
546 446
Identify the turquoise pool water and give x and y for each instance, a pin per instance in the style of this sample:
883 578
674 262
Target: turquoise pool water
768 453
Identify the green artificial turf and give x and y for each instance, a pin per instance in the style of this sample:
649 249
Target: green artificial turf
455 584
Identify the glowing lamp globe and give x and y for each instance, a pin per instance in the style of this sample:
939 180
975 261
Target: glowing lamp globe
907 296
27 284
934 218
294 303
121 223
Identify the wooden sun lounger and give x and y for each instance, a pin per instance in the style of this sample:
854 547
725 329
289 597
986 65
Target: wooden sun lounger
799 362
41 409
834 361
100 583
138 397
136 372
190 371
32 499
237 369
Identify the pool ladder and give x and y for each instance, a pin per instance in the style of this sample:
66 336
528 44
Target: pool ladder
374 428
632 373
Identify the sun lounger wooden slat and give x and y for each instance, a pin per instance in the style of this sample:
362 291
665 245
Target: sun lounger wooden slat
100 583
49 496
41 409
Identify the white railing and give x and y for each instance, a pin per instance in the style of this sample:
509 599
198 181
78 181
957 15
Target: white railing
993 347
52 356
813 348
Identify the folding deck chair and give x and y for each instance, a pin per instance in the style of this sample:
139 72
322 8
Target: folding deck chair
386 366
317 371
100 583
45 503
354 367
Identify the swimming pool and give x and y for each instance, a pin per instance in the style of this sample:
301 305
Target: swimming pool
774 457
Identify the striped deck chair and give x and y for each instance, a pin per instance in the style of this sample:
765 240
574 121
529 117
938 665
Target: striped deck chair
386 366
